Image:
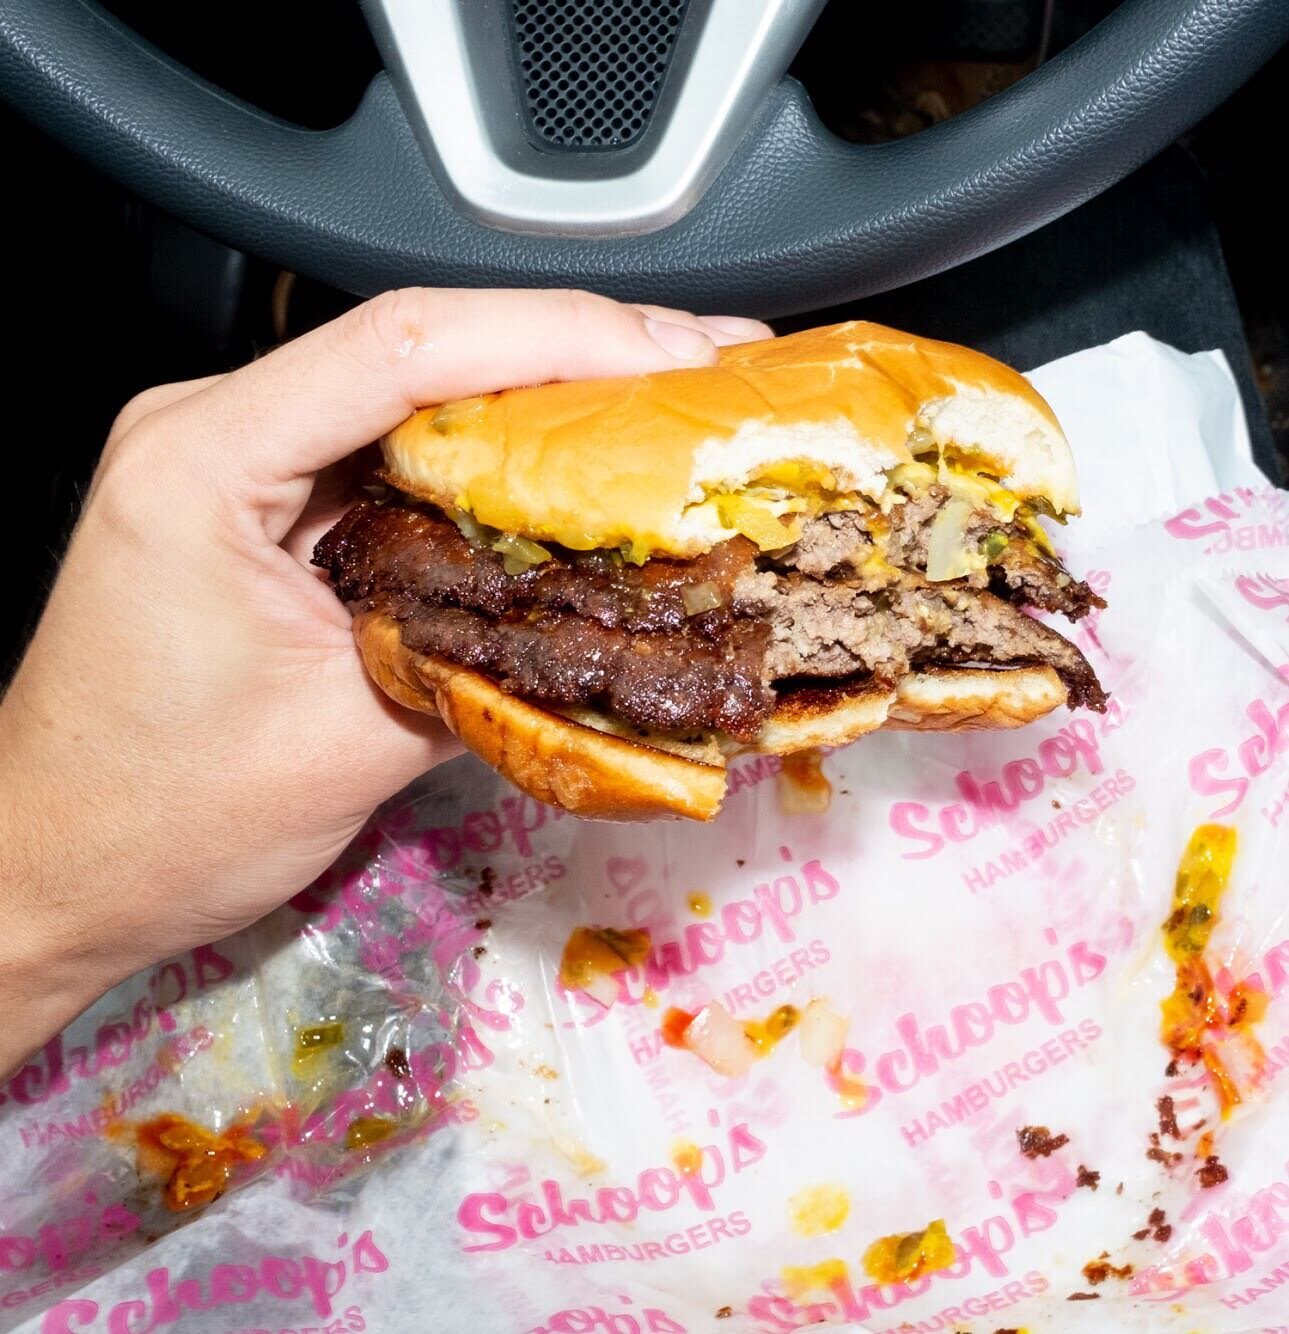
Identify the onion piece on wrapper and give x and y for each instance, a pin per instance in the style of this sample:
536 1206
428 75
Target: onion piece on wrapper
594 956
823 1035
719 1040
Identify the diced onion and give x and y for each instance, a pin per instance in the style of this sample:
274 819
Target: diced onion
913 477
602 987
718 1039
757 522
947 553
520 553
699 598
823 1034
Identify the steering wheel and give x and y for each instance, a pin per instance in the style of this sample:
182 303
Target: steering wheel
652 149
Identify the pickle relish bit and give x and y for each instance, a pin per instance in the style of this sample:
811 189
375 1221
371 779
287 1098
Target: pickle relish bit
903 1257
364 1131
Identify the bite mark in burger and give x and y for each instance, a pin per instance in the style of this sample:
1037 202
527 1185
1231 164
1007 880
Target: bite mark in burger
608 588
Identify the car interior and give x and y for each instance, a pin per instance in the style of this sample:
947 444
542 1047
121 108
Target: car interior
191 184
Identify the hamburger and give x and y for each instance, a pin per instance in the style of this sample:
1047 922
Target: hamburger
608 589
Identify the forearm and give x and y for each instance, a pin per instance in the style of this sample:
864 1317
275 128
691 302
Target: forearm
58 951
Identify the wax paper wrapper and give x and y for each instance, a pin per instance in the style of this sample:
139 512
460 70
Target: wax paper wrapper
422 1129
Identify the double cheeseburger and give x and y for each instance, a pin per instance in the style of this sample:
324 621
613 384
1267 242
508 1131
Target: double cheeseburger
607 589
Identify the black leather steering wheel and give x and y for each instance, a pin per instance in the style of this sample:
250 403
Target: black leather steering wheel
758 208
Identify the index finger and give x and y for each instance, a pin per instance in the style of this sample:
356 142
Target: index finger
328 393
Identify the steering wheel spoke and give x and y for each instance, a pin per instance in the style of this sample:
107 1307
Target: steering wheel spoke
461 71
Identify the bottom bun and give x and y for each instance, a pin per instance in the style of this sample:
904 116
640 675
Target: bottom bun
601 768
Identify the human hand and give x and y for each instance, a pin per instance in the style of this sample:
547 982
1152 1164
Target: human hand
191 737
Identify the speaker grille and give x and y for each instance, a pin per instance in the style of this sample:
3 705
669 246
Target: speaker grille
590 70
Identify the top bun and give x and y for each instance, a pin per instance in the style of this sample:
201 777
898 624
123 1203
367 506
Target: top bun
630 461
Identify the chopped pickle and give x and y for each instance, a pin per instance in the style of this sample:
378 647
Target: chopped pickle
1202 878
520 553
459 416
769 1032
367 1130
471 529
197 1163
994 545
313 1041
902 1258
318 1037
1037 533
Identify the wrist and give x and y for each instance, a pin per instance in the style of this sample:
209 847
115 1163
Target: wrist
59 949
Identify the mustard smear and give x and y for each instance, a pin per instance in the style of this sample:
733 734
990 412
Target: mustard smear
1195 1018
818 1209
800 1280
686 1158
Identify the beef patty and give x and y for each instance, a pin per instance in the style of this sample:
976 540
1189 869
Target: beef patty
698 644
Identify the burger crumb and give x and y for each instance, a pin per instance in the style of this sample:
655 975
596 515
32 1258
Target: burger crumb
1156 1227
483 924
487 880
1212 1173
1168 1118
1170 1070
739 861
479 951
1083 1297
396 1063
1157 1154
1097 1271
1039 1142
724 1313
1087 1177
1118 1190
1056 805
545 1072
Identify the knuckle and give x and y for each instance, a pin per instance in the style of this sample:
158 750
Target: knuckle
586 312
393 317
135 410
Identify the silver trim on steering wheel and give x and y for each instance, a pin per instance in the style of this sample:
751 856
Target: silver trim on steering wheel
451 62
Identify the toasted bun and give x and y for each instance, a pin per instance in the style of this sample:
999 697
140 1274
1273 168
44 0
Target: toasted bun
603 463
600 768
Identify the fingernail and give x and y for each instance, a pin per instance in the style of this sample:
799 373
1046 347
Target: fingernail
736 326
679 342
